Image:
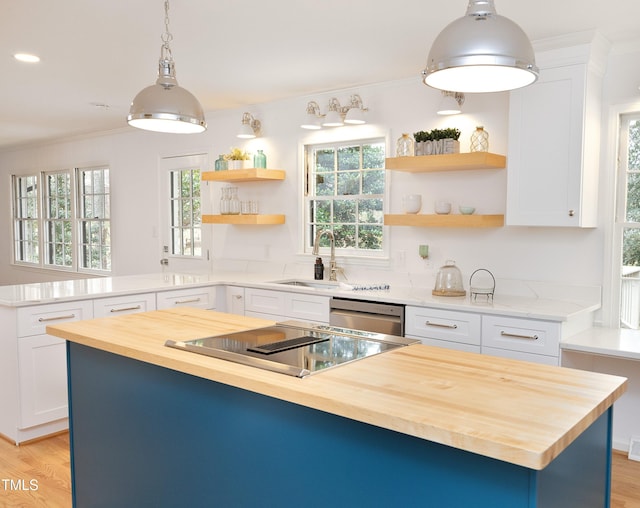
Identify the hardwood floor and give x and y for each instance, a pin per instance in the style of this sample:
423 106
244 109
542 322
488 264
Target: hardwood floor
46 463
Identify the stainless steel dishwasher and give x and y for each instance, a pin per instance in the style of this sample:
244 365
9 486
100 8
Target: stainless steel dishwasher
369 316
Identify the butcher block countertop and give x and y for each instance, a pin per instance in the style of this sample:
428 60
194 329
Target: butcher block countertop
513 411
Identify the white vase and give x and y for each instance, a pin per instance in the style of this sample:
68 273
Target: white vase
234 164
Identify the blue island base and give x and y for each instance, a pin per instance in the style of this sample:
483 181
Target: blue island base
147 436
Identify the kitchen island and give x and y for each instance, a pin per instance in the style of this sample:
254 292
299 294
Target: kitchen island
417 426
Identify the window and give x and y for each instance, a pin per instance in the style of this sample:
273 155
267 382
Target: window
26 232
186 216
344 194
73 230
94 218
628 220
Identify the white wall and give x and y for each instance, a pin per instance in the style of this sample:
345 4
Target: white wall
570 256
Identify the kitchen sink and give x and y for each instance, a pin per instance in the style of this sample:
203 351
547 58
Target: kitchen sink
308 283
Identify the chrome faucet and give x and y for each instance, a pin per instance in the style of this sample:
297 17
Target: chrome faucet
333 267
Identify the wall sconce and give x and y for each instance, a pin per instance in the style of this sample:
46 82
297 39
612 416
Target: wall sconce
336 115
250 127
451 103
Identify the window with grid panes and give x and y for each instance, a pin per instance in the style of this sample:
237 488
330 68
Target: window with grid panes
186 213
26 231
58 220
94 221
345 184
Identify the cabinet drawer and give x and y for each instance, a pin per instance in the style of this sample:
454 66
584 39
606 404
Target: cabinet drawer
447 325
307 307
202 298
264 301
519 355
34 320
457 346
120 305
526 335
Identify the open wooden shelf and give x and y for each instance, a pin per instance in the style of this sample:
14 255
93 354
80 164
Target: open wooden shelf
447 162
243 219
446 221
244 175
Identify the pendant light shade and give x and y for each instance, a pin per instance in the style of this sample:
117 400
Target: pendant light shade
166 106
481 52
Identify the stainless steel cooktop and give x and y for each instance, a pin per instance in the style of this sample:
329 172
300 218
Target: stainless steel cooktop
294 348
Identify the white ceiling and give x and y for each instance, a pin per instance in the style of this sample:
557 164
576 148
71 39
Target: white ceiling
232 53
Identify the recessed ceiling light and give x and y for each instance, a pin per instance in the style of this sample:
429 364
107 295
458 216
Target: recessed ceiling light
26 57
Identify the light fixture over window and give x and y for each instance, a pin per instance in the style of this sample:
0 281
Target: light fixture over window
451 103
336 116
250 127
481 52
165 106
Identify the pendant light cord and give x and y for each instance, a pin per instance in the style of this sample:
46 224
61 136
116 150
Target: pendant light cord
166 37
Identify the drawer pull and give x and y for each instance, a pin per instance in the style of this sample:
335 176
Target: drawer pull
192 300
56 318
518 336
441 325
123 309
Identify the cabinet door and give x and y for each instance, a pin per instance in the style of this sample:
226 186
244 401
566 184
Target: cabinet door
282 304
235 300
548 183
202 298
42 379
120 305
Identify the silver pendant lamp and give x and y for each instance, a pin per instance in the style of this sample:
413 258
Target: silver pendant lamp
166 106
481 52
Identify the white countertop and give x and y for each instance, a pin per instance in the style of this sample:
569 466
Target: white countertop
615 342
560 308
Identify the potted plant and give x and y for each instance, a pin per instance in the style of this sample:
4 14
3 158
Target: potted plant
437 141
235 159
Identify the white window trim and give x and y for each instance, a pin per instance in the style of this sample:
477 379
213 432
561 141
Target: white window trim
612 255
343 135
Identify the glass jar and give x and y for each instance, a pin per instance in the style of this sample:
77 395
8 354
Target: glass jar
480 140
405 146
224 201
449 281
260 160
220 164
234 202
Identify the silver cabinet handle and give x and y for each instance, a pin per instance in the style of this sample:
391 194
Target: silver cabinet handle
237 297
192 300
518 336
123 309
56 318
441 325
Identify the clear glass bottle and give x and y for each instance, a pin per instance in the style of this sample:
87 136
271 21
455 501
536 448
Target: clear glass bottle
480 140
405 146
260 160
234 202
224 201
220 164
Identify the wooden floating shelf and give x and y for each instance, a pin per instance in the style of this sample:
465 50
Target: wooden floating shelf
244 175
446 221
447 162
243 219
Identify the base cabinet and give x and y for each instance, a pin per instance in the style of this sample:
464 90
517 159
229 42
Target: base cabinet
282 305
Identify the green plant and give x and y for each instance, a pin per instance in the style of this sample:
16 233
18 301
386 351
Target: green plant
435 134
236 154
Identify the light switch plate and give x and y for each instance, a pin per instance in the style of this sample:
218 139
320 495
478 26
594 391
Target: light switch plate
634 448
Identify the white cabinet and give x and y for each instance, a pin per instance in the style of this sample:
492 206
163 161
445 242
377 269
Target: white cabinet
450 329
120 305
234 299
202 298
281 305
526 339
42 366
554 140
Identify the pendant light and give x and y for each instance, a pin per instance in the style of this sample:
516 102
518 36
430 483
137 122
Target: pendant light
165 106
481 52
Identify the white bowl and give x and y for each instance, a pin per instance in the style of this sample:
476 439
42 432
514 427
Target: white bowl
442 207
411 203
466 210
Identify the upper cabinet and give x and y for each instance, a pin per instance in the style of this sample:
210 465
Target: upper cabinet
554 140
